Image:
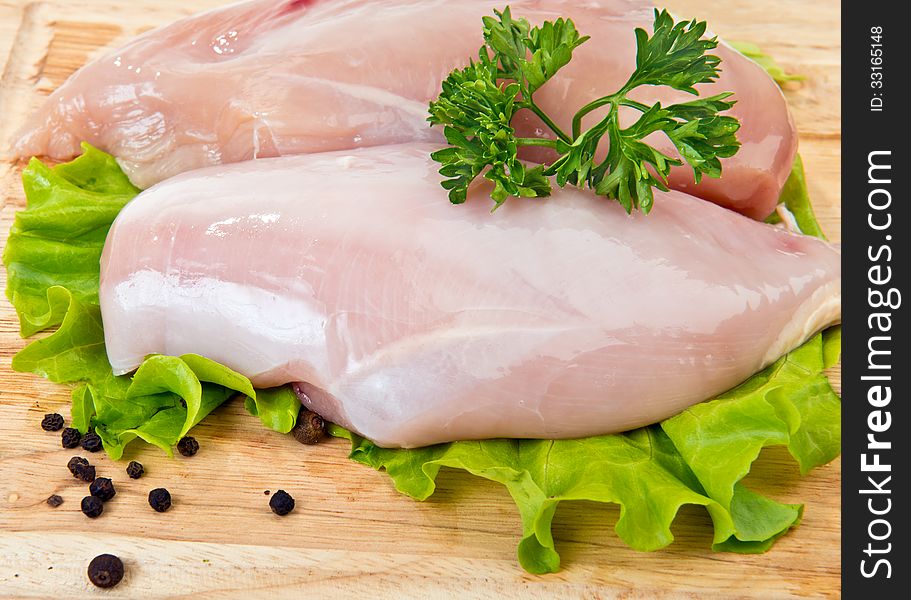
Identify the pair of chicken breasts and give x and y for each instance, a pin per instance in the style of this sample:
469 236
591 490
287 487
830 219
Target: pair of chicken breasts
335 260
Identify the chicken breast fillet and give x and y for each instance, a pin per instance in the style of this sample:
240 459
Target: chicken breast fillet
279 77
413 321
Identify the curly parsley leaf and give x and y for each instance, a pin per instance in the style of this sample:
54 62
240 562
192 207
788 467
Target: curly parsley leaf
478 103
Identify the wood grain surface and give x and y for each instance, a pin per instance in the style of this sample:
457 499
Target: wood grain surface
352 534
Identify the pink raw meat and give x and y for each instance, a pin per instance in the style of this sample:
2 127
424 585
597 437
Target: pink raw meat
414 321
269 78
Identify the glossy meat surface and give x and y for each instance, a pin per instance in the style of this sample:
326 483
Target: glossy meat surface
414 321
268 78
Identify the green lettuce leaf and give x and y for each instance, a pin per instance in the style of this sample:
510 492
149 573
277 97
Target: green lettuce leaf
159 404
57 239
755 53
276 407
52 261
795 197
697 457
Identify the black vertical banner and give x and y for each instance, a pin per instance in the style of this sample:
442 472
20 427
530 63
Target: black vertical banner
875 370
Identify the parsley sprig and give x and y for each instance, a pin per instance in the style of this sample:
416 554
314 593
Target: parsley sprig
478 103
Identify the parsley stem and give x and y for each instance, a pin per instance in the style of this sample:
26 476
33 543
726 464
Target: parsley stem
478 104
633 104
530 104
593 105
537 142
611 123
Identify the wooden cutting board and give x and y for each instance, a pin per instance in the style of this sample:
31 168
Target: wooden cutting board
352 533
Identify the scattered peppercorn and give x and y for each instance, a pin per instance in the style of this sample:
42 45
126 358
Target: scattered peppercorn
281 503
135 470
310 427
70 437
81 469
92 507
75 463
91 442
103 489
52 422
54 501
188 446
105 570
86 473
160 499
267 492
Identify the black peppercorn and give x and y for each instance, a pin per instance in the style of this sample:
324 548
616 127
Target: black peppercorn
188 446
92 507
75 463
160 499
105 570
70 437
91 442
281 503
135 470
54 501
81 469
52 422
86 473
310 427
103 489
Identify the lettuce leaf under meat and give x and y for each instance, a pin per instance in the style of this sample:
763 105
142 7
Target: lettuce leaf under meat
57 240
771 66
697 457
52 263
795 197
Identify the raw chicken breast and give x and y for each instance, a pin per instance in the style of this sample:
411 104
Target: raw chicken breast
414 321
269 78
